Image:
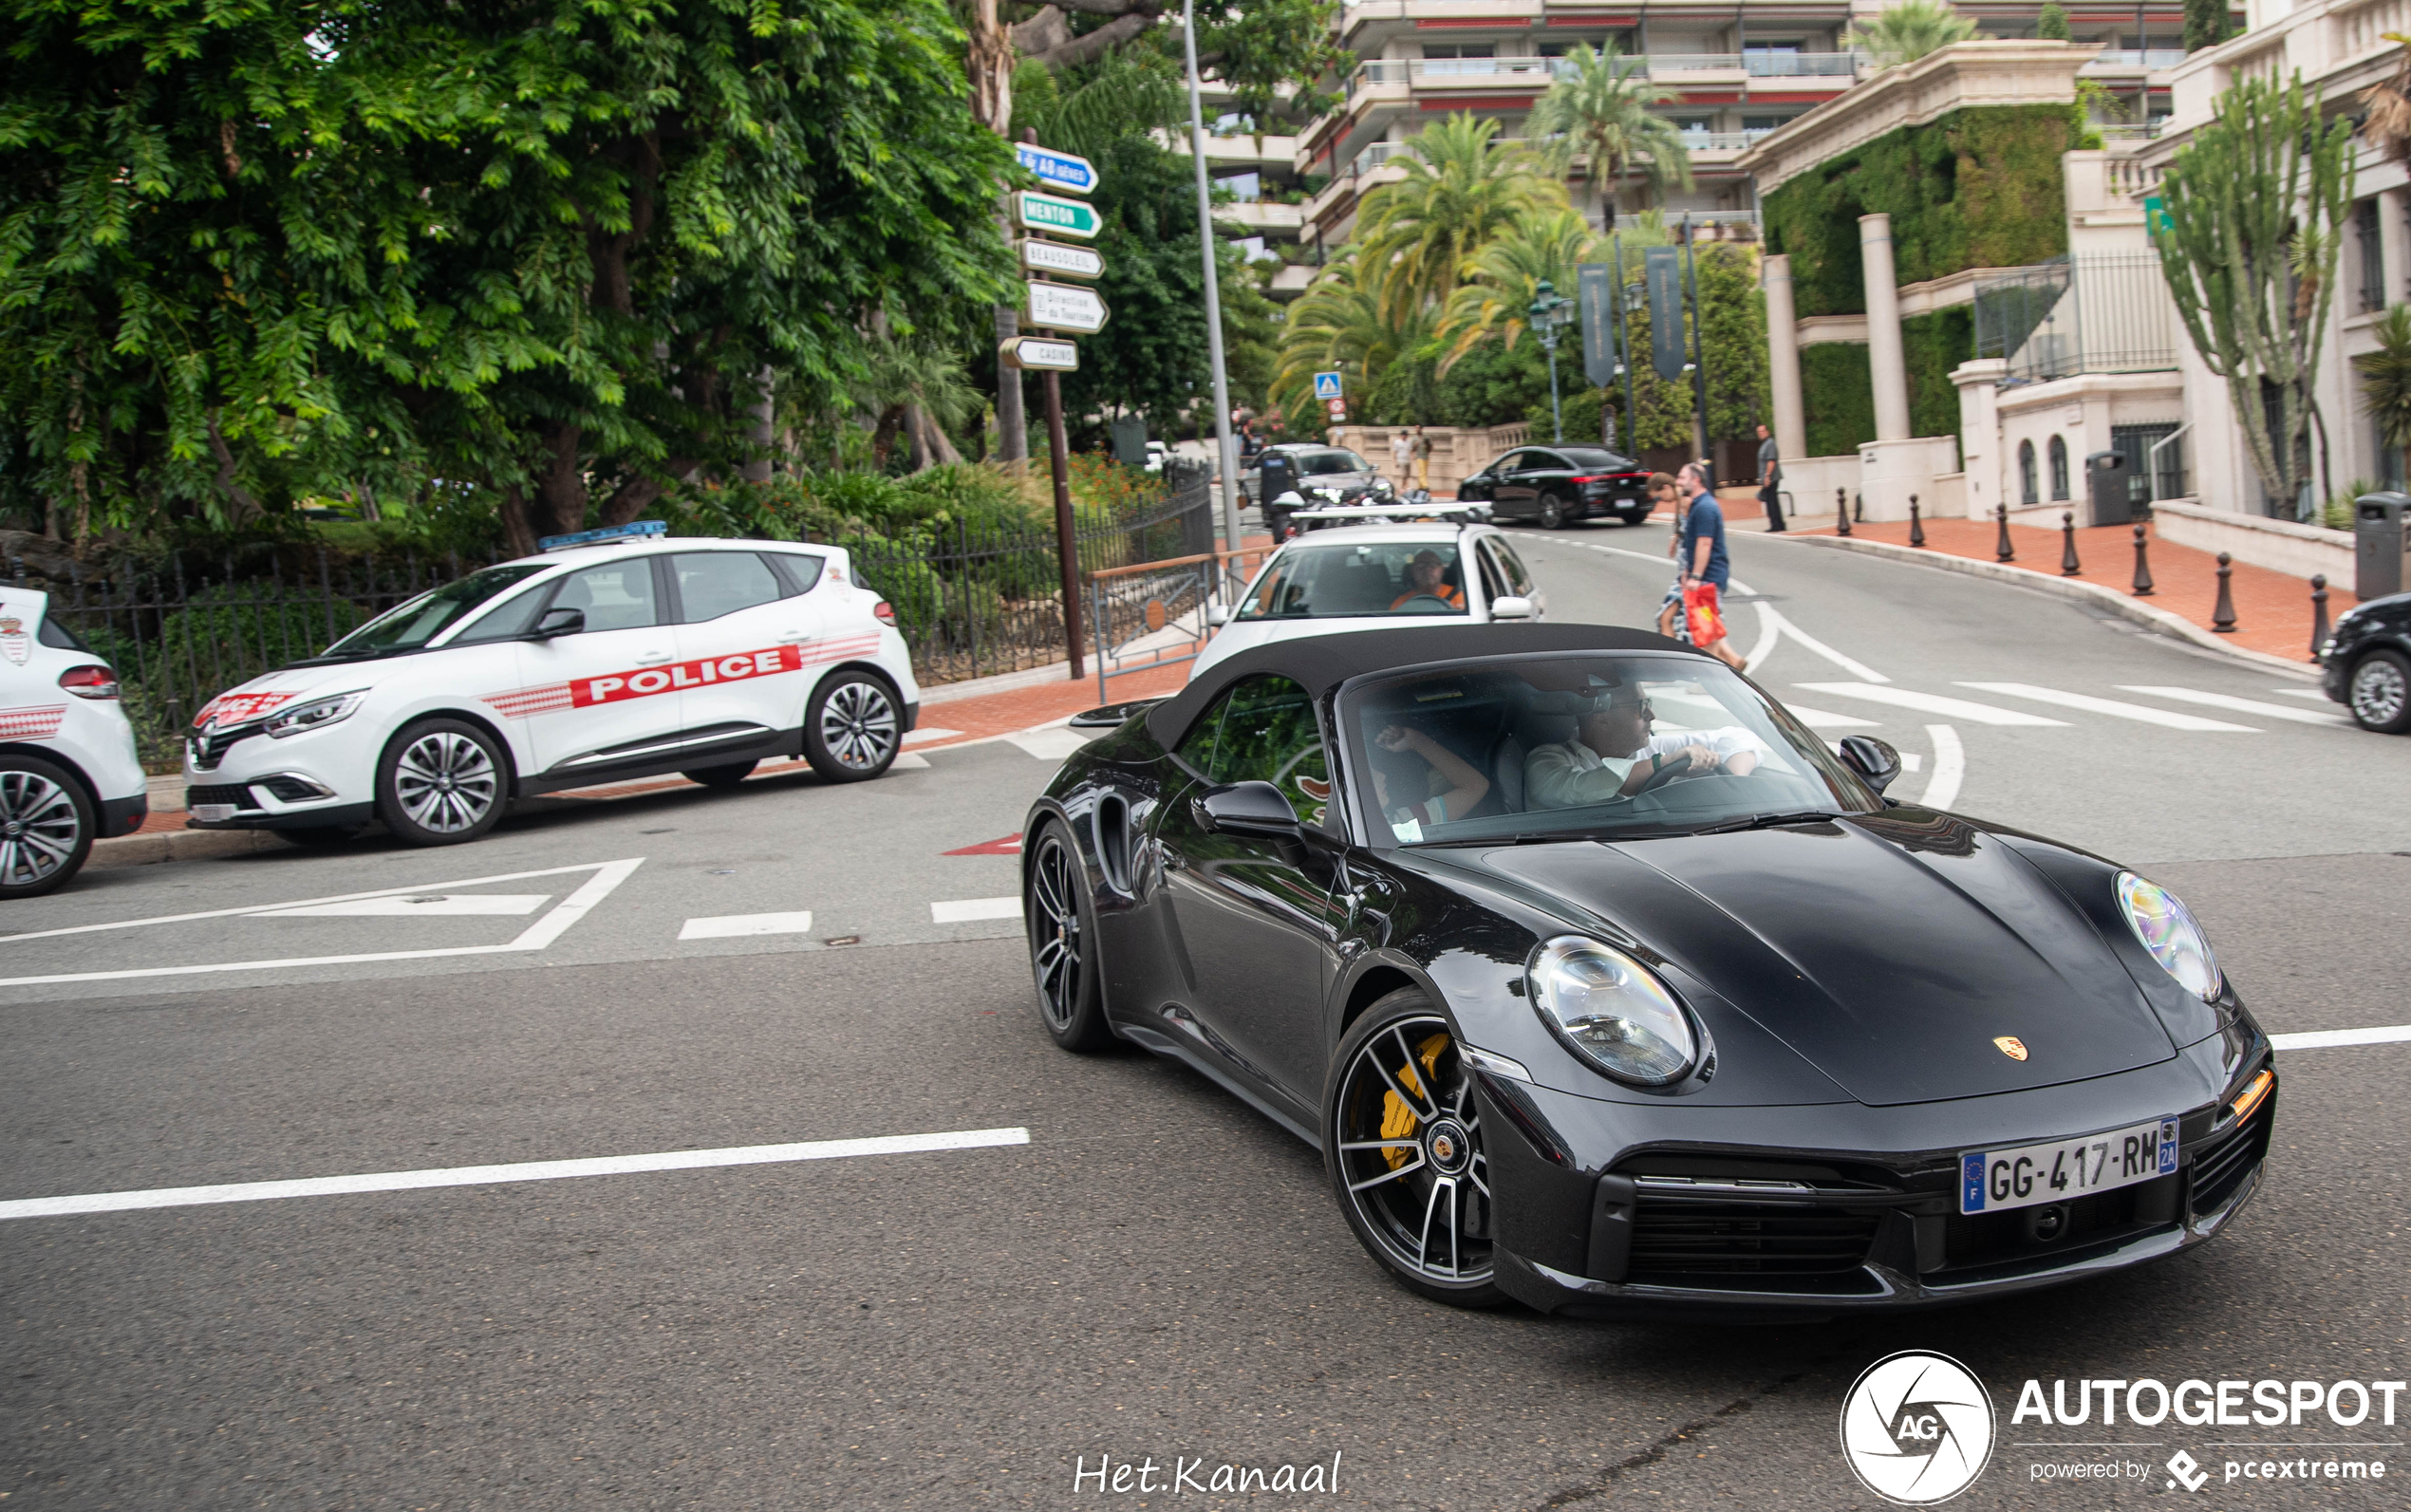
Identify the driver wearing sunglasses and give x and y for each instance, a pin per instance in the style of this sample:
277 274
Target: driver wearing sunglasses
1613 754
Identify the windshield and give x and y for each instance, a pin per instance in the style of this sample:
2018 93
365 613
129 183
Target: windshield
1348 581
412 624
1602 461
1582 746
1340 462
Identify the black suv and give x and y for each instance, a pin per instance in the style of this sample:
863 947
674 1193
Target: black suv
1558 485
2368 663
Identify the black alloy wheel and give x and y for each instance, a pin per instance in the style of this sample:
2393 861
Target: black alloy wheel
46 826
1402 1142
319 836
2379 692
1552 513
441 782
851 728
1061 921
721 777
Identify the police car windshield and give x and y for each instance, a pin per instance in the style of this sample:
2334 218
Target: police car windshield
412 624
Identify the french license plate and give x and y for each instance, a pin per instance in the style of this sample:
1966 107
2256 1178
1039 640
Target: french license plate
213 812
1992 1180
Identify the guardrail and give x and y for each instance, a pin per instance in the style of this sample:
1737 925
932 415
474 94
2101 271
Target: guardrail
1153 614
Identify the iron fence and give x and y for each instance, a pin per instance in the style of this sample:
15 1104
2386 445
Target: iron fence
2106 314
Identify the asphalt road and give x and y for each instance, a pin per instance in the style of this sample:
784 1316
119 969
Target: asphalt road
1157 1273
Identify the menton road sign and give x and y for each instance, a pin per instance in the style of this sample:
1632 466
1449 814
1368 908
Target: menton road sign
1053 213
1042 354
1062 261
1068 172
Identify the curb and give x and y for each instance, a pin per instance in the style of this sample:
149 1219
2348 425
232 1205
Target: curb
2111 599
179 845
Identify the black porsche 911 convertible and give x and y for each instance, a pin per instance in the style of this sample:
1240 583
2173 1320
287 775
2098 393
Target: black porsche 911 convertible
1604 986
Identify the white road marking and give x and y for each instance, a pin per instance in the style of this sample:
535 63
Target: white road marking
909 761
1949 766
2334 1039
547 929
966 911
1857 669
536 1170
1911 761
2114 708
2307 693
929 732
2222 701
1771 628
1820 719
1049 744
729 926
1933 703
413 904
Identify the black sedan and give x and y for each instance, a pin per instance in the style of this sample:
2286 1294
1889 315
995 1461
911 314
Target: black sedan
2367 664
1557 485
1603 985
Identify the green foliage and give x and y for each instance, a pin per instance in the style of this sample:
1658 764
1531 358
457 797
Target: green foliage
2206 24
1933 345
1463 187
1599 105
2339 511
1837 392
1504 277
2385 381
1910 29
1978 188
2051 25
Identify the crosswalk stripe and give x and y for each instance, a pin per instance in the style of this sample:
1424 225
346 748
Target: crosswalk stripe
734 926
2222 700
1931 703
2115 708
2338 1038
1822 720
2304 692
967 910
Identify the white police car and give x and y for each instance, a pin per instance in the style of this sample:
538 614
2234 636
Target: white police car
613 654
68 770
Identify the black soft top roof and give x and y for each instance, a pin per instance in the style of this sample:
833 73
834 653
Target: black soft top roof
1321 662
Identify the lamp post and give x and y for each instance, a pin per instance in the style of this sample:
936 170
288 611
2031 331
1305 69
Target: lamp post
1549 314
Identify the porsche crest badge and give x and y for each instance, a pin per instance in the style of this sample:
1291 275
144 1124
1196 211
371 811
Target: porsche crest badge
2011 1046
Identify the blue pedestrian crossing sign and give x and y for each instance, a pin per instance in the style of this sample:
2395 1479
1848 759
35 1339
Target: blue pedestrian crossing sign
1326 385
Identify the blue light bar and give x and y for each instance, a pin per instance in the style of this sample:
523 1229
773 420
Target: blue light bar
635 530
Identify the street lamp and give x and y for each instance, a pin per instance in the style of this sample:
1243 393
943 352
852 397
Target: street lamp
1551 313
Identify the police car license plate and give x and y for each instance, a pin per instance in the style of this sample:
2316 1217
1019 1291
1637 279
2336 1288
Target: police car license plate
1992 1180
213 812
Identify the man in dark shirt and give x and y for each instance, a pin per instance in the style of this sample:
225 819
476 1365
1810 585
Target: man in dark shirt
1771 476
1702 557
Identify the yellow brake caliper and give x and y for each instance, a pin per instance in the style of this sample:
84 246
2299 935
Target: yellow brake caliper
1398 1120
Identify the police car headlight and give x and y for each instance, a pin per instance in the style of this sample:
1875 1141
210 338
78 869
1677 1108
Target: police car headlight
1612 1011
2167 930
315 715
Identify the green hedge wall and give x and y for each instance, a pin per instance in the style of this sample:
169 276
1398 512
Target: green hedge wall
1932 345
1837 397
1978 188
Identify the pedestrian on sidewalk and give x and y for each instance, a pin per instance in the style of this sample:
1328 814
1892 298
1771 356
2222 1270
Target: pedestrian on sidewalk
1706 567
1401 454
1421 449
1770 475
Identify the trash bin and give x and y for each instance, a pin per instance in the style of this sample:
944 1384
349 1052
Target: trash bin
2381 544
2106 486
1278 476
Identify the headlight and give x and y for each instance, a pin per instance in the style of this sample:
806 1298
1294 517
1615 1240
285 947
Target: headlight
315 715
1612 1011
2167 930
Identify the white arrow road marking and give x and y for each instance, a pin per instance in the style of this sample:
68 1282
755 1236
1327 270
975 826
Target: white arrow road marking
2335 1038
1933 703
1949 766
536 1170
730 926
1050 744
2222 701
547 929
1857 669
966 911
414 905
1820 719
2114 708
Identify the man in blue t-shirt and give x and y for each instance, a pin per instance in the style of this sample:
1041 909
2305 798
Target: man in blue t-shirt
1702 557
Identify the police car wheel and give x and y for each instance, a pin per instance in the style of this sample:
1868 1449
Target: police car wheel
723 776
851 728
46 824
440 782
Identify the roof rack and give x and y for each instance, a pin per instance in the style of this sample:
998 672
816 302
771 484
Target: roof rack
608 535
1464 512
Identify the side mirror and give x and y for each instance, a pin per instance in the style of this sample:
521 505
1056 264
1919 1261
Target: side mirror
556 622
1217 614
1873 760
1250 808
1510 607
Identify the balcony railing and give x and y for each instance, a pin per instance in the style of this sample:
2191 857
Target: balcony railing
2129 57
1840 66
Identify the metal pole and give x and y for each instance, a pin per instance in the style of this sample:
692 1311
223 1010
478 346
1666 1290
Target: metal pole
1556 420
1067 546
1699 359
1225 459
1624 355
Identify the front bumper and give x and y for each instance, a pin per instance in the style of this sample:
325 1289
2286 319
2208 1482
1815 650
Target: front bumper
1749 1226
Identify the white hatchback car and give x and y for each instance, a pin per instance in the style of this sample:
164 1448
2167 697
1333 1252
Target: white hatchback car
1371 577
69 772
590 663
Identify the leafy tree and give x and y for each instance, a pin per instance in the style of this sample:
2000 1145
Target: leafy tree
2256 204
2051 25
1461 188
2385 381
1345 323
2205 24
1911 30
1503 277
1600 105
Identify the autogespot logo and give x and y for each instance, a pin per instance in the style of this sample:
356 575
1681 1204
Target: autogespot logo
1916 1428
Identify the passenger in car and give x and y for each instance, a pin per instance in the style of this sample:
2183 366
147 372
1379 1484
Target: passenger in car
1408 765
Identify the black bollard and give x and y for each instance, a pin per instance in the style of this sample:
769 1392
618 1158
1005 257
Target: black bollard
2318 615
2068 566
2143 567
2003 552
2222 617
1841 507
1858 508
1917 526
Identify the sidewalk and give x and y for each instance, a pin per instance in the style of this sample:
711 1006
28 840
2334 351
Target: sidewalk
2272 609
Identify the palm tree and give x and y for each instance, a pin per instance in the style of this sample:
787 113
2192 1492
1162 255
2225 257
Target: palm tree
2385 381
1911 30
1500 280
2387 126
1344 322
1600 105
1461 188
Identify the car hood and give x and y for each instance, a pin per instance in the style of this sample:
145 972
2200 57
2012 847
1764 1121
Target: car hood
1890 952
270 691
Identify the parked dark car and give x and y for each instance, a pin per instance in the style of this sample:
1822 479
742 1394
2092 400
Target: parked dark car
1712 1026
1557 485
2368 662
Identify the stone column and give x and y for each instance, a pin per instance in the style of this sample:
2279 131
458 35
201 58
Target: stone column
1983 466
1885 363
1783 360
